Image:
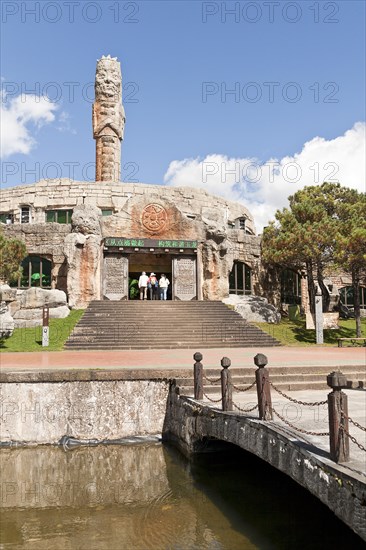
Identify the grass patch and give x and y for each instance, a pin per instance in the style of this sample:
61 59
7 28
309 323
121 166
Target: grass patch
294 333
30 339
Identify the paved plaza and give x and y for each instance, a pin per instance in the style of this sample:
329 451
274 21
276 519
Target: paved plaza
183 358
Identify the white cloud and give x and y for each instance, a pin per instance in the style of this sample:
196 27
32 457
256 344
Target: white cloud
64 123
265 186
18 115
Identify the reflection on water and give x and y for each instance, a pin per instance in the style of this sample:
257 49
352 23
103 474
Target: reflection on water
150 497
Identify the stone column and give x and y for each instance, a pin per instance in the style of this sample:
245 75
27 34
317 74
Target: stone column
83 250
108 119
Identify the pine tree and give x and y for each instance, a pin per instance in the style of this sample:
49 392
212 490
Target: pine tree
309 233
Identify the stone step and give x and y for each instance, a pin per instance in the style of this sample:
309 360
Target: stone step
276 371
281 383
165 345
243 382
199 335
164 325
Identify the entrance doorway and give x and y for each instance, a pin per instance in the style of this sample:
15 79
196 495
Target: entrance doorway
122 269
151 263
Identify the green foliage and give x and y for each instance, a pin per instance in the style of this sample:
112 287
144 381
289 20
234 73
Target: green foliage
133 288
307 230
322 228
12 252
30 339
294 333
350 250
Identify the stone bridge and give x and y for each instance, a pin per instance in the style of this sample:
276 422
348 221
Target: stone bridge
107 405
195 427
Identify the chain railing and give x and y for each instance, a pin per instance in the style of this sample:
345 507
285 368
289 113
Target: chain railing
297 401
354 440
210 381
212 400
245 410
339 435
244 389
354 422
296 428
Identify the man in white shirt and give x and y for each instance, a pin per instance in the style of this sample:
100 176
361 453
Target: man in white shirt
143 285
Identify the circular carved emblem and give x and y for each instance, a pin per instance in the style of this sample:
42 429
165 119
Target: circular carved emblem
154 218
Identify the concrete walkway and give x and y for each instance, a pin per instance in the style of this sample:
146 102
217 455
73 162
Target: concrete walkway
182 358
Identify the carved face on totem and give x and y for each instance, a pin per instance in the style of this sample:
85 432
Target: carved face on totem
108 80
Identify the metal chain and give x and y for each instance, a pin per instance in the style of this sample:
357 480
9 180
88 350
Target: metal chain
315 404
353 422
243 389
353 439
296 428
210 380
212 400
245 410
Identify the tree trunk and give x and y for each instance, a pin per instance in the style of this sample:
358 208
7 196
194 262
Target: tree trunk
311 285
356 298
323 288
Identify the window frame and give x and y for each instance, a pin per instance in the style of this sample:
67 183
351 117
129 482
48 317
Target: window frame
41 259
295 295
349 289
68 211
246 271
22 216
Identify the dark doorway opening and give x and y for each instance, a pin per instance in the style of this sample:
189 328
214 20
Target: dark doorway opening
150 263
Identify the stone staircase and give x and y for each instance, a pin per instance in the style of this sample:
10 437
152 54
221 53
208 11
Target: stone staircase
288 378
108 325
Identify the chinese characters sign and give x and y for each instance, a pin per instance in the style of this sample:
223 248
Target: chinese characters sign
123 242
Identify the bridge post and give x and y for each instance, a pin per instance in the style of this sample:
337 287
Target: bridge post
263 387
338 418
198 375
226 386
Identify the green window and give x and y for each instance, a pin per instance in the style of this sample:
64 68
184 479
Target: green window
240 279
58 216
6 217
36 272
50 215
107 212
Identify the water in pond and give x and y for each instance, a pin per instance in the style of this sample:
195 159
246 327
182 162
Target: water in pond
148 496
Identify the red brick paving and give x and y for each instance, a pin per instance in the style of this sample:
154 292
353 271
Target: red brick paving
182 358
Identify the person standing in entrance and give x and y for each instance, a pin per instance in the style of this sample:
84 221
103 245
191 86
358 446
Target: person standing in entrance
143 285
153 286
163 286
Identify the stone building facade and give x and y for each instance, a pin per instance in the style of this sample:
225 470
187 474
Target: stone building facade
96 236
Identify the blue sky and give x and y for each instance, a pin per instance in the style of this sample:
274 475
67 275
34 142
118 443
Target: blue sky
312 51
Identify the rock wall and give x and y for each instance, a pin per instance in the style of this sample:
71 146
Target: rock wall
254 308
83 251
40 413
46 240
26 306
66 193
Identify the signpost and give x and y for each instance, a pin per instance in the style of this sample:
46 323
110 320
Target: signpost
45 327
319 317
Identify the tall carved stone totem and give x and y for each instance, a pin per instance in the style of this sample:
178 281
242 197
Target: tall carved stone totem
108 119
